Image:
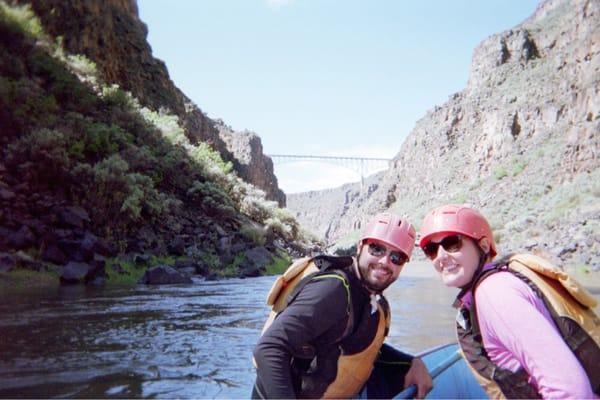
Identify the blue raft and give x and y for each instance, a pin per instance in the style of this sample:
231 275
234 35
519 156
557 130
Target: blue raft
452 379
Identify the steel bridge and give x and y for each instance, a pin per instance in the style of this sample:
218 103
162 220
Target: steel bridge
364 166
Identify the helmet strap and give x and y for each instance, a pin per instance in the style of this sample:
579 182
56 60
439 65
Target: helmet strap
482 260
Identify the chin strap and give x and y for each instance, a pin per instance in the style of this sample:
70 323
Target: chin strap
482 259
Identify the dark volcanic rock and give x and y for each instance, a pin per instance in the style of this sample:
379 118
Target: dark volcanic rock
164 275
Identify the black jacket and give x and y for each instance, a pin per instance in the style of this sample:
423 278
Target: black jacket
312 324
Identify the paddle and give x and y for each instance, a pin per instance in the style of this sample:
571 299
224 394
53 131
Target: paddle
410 391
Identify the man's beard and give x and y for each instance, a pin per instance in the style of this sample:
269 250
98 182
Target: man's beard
376 287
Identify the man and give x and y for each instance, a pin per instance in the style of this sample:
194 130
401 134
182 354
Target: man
328 340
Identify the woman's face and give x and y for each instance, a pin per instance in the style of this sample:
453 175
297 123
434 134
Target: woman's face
457 258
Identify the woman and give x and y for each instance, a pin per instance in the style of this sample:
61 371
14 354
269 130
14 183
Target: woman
513 323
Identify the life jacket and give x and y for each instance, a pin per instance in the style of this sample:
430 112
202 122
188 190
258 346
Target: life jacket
571 307
349 360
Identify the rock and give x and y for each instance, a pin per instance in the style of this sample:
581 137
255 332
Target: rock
250 161
72 216
28 262
75 272
187 267
258 257
7 262
164 275
224 246
6 194
141 259
177 246
53 254
23 238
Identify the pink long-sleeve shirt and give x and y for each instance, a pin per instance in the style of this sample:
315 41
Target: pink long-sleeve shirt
518 331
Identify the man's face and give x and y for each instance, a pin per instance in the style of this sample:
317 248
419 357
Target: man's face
379 264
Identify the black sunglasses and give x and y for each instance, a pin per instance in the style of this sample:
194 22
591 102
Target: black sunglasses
396 257
451 244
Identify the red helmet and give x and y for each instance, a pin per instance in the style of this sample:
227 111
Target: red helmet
454 218
392 230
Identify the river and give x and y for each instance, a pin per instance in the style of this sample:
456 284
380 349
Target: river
183 341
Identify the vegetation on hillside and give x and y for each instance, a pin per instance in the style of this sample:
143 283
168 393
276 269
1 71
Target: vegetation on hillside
68 134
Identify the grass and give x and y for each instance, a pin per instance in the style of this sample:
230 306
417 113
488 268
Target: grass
500 173
232 268
281 261
518 167
132 273
21 279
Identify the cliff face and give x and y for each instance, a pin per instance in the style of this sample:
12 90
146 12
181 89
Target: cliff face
520 142
111 34
250 160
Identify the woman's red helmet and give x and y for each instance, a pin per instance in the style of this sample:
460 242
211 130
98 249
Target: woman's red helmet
455 218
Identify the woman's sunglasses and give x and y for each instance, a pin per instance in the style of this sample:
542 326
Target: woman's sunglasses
396 257
451 244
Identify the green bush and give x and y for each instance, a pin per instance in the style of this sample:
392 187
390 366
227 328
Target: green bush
212 260
30 105
40 156
232 269
281 261
500 173
518 167
205 156
66 87
255 234
115 97
214 200
21 19
82 65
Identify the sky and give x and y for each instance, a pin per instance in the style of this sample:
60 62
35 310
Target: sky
323 77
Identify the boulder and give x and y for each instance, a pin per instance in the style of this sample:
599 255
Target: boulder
257 259
75 272
72 216
164 275
7 262
53 254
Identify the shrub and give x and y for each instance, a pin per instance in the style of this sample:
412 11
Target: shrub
255 234
69 91
206 156
30 105
232 268
500 173
212 199
212 260
21 19
82 65
518 167
113 96
281 261
40 156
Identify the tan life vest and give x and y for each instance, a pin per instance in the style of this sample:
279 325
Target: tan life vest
571 307
353 370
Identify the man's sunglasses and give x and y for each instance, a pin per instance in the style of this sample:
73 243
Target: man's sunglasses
396 257
451 244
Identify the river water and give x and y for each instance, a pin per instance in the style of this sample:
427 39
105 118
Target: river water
179 341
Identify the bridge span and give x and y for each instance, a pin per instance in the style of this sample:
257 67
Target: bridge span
364 166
